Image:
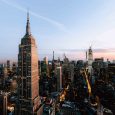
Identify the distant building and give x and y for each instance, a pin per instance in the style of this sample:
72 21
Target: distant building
111 71
3 103
99 68
68 71
5 72
80 64
1 69
8 65
5 107
46 60
14 67
59 78
98 63
90 59
113 61
46 65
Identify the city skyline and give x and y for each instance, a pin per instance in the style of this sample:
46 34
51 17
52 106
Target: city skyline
59 26
61 60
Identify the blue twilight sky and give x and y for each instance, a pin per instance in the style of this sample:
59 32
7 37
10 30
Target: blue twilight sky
65 26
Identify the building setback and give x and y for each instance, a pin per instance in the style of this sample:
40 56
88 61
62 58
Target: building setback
29 100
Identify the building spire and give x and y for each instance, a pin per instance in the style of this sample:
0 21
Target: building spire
28 25
53 55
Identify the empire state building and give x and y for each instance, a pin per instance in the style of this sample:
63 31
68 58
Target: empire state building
28 72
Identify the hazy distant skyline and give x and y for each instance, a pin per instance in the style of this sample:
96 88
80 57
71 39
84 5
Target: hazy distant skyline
64 26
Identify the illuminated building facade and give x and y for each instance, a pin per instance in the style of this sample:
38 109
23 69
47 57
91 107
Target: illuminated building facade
28 71
90 60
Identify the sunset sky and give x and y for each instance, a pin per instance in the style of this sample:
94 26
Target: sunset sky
65 26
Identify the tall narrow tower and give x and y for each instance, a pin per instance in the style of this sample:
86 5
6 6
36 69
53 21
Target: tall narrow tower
90 59
53 63
53 55
28 71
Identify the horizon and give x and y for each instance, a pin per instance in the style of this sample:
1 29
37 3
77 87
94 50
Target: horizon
96 55
59 26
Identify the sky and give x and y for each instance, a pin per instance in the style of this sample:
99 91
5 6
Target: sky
67 27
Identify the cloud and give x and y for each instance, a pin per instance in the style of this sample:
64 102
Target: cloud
57 24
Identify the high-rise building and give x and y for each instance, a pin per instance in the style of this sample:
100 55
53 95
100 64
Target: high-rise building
6 108
46 60
59 78
14 67
28 71
3 103
8 65
90 60
68 71
46 65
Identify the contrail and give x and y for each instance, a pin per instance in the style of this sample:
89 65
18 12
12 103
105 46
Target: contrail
53 22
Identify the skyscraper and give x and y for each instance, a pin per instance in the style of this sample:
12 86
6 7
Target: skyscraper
90 59
28 71
59 78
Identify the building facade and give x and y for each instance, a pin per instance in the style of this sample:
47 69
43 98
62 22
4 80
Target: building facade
29 101
90 60
59 78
